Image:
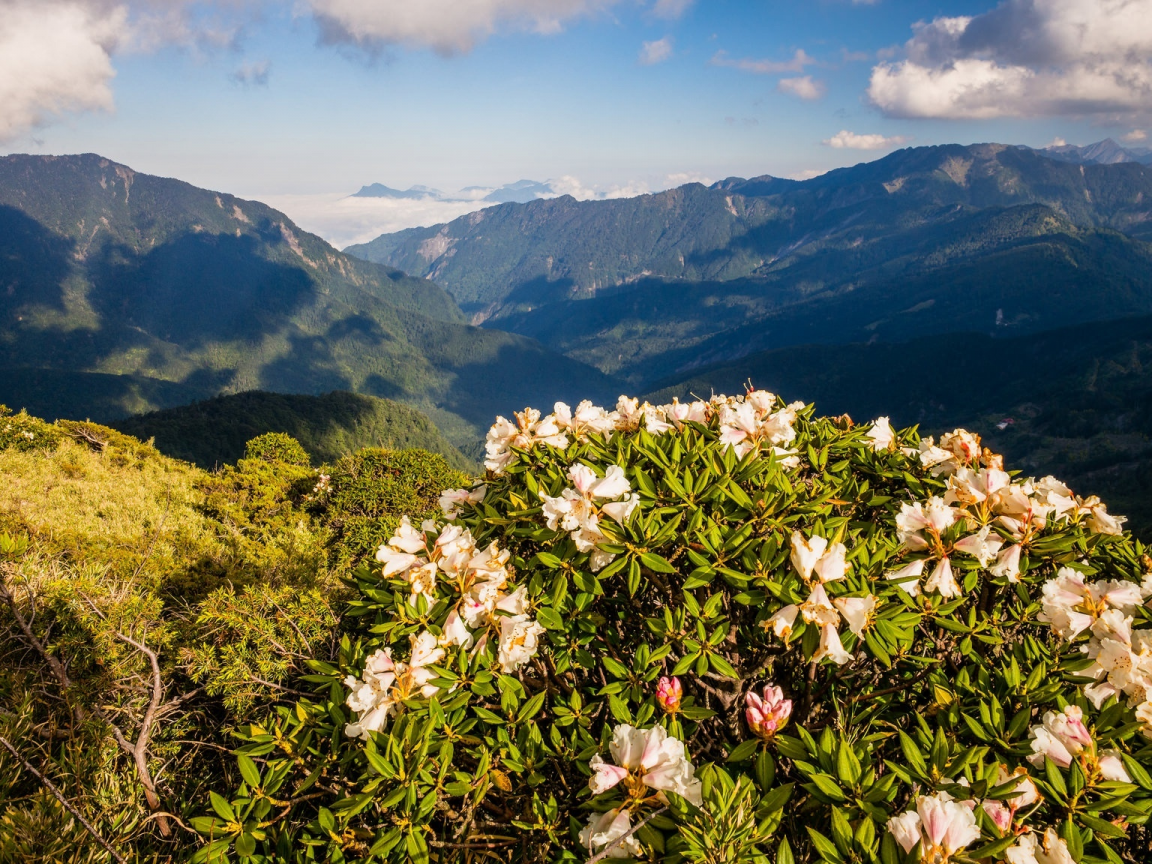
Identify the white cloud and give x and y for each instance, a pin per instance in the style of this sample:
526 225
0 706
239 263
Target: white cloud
803 87
253 74
568 185
670 9
656 52
764 67
55 57
342 219
684 177
1024 58
807 174
1134 136
447 26
851 141
1056 142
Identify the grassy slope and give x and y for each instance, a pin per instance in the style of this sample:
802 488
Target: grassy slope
329 426
1081 397
113 272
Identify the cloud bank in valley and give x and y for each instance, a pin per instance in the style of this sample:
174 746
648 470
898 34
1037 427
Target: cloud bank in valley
1024 58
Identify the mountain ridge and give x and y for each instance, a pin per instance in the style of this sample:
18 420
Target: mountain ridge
107 270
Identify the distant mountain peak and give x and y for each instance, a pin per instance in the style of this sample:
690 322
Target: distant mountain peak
379 190
1106 152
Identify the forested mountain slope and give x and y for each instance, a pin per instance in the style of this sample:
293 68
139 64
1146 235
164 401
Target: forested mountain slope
105 270
990 238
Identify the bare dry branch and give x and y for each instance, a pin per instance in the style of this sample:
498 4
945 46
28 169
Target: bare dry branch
51 787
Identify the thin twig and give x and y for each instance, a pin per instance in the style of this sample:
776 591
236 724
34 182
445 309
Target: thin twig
25 625
603 853
51 787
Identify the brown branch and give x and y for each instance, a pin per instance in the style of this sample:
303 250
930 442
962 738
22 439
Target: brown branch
54 664
51 787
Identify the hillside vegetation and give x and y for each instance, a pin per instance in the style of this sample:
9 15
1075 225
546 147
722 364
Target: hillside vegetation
996 239
1079 399
114 272
112 555
215 431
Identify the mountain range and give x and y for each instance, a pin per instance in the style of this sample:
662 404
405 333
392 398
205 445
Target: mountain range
1106 152
988 238
986 285
521 191
129 292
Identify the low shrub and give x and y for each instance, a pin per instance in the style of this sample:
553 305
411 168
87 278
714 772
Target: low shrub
723 632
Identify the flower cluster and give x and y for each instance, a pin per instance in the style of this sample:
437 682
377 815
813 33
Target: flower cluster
478 577
645 759
942 825
746 422
983 514
1121 654
753 420
1062 737
580 508
386 683
815 557
1047 848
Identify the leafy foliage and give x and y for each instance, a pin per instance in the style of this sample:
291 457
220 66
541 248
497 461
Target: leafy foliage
897 601
113 556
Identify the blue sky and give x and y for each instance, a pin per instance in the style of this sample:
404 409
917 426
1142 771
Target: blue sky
320 96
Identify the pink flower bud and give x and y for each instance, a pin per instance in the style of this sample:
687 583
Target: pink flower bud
669 693
769 715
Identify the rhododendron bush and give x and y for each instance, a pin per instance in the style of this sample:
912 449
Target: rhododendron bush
724 631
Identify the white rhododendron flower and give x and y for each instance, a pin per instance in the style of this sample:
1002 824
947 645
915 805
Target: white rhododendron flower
815 555
528 430
1099 519
385 683
606 828
881 435
907 578
782 622
452 499
858 612
578 510
646 759
831 647
943 825
1048 848
659 419
984 546
818 609
1061 736
749 421
588 420
519 641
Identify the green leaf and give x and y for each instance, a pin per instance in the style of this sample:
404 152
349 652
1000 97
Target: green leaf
532 707
656 563
245 845
549 619
743 751
249 771
222 807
